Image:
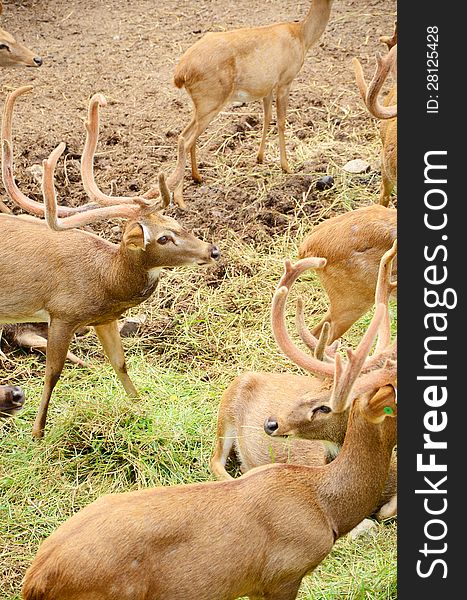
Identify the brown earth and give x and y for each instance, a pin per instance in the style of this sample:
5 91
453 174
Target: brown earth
128 51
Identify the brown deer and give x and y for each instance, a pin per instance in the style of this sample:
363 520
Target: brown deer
352 244
304 400
13 53
387 112
52 272
11 400
244 65
254 536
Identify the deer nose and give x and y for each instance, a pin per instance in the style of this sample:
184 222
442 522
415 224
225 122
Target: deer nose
270 425
215 253
37 60
17 395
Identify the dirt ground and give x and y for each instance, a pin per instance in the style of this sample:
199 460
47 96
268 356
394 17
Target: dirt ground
128 51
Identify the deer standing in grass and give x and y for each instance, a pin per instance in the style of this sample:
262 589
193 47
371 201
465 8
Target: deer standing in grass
11 400
254 536
243 65
352 244
386 112
304 400
52 272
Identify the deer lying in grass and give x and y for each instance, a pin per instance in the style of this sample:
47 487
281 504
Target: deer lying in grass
33 336
386 112
244 65
53 273
304 400
254 536
352 244
11 400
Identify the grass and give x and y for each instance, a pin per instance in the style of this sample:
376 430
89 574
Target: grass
198 336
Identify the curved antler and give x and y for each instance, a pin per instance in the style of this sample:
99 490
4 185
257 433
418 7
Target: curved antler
26 203
370 93
87 164
125 211
320 368
390 41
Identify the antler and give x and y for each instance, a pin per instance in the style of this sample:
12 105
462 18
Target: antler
320 368
345 387
26 203
390 41
125 211
370 93
87 164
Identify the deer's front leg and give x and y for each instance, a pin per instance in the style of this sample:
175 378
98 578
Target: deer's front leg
109 337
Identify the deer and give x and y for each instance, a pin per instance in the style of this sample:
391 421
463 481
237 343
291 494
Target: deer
352 244
14 54
11 400
242 65
254 536
304 400
54 272
386 112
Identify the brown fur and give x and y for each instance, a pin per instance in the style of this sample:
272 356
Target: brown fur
11 400
74 278
14 54
243 65
255 536
353 244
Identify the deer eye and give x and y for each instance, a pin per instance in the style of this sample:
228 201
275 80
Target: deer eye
163 240
4 47
323 409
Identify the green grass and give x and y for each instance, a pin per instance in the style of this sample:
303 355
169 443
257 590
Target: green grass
202 330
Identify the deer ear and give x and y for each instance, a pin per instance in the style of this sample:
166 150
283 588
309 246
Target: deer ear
383 403
136 236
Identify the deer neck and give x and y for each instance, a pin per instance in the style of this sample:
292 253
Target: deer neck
129 278
315 21
354 481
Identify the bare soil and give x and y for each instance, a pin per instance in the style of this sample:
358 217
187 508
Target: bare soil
128 49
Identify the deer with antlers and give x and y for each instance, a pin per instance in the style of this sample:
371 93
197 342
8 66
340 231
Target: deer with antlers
53 272
11 400
386 112
254 536
252 397
243 65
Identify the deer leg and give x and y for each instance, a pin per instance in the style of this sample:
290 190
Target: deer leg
178 191
111 341
29 339
282 101
387 185
224 444
60 335
267 107
285 591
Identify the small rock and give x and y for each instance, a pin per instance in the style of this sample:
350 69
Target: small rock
325 183
36 171
357 166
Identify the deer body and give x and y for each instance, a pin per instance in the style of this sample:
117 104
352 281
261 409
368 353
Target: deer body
244 65
353 244
258 535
